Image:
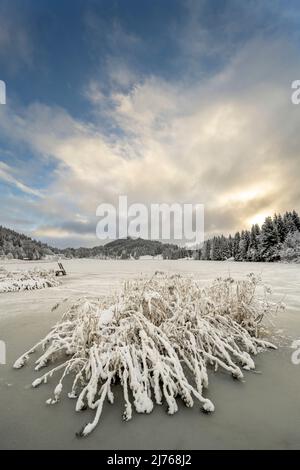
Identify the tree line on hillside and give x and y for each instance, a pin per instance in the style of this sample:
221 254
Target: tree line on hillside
128 248
137 247
277 239
14 245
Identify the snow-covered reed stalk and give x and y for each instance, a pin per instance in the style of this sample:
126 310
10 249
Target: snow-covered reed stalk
11 281
158 338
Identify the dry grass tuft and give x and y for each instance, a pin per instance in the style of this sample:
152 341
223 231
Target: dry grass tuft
158 337
12 281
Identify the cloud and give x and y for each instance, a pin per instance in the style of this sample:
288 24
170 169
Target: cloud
229 141
119 72
7 176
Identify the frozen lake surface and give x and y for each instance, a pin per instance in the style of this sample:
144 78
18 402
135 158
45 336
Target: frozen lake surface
261 412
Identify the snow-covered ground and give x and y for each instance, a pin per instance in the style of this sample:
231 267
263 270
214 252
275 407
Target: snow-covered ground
262 412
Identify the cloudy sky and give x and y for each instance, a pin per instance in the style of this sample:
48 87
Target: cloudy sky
183 101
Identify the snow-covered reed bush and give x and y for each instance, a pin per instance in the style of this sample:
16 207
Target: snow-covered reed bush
158 337
11 281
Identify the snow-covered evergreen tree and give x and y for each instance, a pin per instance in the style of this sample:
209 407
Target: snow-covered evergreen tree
269 240
296 220
290 250
205 255
280 227
289 222
236 246
259 244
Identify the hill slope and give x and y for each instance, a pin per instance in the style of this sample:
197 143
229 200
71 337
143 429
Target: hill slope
19 246
136 247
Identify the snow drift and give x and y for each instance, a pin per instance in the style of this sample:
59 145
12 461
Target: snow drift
158 337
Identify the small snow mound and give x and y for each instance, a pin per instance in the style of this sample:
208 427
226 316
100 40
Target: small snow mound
208 406
106 316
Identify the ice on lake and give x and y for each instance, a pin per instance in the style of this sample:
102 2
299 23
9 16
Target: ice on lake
261 412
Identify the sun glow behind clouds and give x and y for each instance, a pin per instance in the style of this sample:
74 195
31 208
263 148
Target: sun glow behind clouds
259 218
247 195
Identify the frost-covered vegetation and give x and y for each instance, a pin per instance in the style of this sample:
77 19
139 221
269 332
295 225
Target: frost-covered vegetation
158 338
11 281
277 239
290 248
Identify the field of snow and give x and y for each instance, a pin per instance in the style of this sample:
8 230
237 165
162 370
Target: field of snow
261 412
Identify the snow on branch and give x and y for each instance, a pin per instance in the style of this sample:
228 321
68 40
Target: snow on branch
158 337
11 281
